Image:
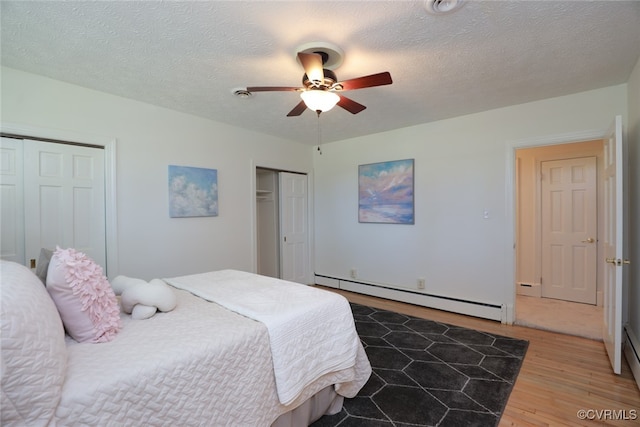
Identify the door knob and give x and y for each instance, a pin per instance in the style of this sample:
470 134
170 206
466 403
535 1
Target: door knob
611 261
589 240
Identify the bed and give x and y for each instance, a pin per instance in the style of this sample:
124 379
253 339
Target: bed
199 364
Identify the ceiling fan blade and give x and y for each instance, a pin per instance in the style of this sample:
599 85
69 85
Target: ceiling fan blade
312 64
379 79
272 89
350 105
298 109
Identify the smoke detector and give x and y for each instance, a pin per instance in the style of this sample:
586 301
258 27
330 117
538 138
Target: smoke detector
241 93
441 7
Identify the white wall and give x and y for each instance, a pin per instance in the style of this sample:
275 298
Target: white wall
149 139
460 170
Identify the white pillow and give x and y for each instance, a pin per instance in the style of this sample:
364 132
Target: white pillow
33 354
155 294
120 283
141 311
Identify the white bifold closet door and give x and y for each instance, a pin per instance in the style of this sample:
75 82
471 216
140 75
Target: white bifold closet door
11 201
294 254
62 199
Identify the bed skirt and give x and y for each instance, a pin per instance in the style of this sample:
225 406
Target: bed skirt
325 402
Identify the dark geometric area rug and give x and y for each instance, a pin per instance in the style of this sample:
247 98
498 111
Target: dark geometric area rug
427 373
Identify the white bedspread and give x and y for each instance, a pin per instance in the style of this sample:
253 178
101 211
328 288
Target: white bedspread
311 331
197 365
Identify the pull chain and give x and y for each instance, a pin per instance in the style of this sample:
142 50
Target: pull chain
319 136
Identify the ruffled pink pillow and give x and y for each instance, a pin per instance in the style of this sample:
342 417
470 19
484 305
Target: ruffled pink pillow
86 303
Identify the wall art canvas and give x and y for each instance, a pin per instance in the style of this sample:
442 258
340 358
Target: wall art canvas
386 192
192 192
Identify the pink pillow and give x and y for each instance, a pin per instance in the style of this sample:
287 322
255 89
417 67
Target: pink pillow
86 303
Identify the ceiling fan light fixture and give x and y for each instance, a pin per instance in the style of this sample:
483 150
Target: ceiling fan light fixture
319 100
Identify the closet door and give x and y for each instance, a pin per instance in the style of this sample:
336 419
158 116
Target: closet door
11 201
294 254
64 199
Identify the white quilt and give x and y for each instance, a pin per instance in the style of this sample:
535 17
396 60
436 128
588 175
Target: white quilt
199 364
311 331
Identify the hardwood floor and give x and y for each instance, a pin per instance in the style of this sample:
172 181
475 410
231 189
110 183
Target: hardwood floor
561 374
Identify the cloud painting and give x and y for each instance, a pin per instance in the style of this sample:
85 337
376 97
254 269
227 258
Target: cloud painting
192 192
386 192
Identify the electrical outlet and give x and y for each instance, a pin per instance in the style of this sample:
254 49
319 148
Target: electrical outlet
421 283
354 273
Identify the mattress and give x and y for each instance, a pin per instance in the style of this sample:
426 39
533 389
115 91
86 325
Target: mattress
199 364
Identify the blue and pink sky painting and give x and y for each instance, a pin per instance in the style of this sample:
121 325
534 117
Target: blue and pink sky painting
192 192
386 192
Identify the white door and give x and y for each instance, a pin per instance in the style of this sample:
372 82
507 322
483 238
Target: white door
294 258
613 243
11 201
569 229
64 199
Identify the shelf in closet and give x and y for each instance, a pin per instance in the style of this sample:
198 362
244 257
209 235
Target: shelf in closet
264 195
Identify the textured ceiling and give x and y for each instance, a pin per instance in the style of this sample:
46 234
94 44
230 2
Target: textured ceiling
189 56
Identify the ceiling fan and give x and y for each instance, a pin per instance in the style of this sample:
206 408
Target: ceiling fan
321 88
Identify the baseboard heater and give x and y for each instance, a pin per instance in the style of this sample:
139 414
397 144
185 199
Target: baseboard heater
440 302
631 351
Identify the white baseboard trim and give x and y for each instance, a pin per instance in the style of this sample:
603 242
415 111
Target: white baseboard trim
470 308
327 281
632 353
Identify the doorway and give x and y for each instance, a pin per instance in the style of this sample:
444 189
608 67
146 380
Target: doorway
268 222
282 224
558 222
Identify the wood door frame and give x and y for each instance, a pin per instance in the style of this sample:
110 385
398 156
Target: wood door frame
109 146
509 290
